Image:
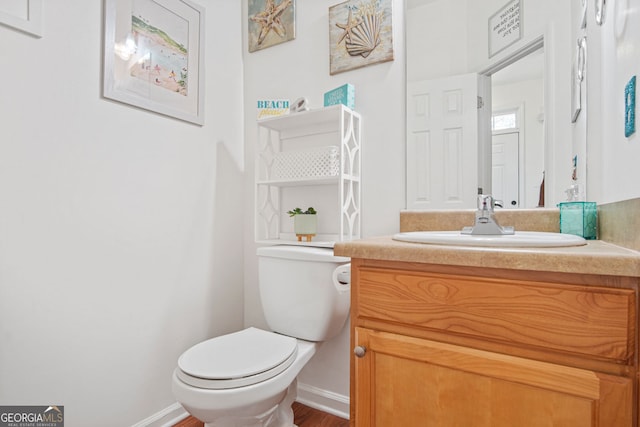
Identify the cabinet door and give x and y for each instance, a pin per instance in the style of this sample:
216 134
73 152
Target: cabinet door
405 381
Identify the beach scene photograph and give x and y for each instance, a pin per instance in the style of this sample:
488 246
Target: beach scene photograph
161 40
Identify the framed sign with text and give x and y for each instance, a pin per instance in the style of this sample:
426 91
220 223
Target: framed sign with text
505 27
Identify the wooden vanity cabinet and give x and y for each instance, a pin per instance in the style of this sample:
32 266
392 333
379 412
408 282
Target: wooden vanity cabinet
442 346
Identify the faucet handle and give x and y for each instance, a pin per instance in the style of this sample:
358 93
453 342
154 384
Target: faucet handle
485 202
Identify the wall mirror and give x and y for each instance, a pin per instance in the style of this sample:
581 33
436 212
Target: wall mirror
448 59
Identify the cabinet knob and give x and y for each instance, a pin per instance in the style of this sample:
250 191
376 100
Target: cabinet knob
360 351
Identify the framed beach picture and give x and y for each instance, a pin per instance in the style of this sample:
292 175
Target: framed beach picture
360 34
154 56
271 22
23 15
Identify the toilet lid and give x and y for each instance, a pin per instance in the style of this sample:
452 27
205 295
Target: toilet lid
237 360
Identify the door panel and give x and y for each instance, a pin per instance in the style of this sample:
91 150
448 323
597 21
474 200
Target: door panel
404 381
505 170
442 147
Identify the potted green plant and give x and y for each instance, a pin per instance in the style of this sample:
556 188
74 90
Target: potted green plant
305 223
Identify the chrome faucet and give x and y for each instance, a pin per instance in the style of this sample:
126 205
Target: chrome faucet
486 222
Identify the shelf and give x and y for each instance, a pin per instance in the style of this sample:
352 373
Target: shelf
313 244
300 182
309 181
292 169
304 119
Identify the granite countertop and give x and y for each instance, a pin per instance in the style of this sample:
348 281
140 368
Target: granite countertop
596 257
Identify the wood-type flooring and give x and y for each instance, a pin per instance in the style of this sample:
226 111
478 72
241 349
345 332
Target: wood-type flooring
304 416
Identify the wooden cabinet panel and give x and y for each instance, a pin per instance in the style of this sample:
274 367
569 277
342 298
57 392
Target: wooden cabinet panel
405 381
585 320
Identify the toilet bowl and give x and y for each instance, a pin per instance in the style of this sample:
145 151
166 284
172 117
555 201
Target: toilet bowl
252 398
248 378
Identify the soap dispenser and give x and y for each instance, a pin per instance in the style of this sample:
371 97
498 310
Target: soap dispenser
573 192
577 216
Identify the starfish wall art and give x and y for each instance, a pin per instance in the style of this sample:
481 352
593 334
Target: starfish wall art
360 34
270 22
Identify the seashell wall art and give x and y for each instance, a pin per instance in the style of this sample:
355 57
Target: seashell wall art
360 34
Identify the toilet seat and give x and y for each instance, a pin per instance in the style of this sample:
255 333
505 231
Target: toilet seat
236 360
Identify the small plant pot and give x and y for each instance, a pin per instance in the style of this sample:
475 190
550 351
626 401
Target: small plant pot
305 225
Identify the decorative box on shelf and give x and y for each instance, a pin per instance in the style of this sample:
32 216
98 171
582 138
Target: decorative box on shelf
345 94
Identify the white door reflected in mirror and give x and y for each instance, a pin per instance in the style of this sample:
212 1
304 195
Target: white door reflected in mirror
505 170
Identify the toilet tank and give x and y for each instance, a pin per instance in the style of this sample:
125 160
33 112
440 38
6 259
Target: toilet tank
305 291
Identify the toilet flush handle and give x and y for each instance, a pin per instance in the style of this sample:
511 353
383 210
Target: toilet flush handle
342 278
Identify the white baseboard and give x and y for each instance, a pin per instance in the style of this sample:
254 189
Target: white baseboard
166 418
323 400
314 397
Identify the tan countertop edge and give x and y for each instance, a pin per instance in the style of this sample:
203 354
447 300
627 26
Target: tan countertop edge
596 257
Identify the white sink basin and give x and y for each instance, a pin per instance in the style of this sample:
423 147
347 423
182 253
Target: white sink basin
521 239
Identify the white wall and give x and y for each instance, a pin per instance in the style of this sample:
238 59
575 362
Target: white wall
438 45
120 230
613 58
119 235
301 68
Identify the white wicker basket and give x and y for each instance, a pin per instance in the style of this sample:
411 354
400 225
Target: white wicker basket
317 162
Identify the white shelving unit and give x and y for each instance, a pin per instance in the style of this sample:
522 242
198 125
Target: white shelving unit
308 159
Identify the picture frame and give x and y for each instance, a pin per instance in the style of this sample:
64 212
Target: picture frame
154 56
270 23
360 34
24 17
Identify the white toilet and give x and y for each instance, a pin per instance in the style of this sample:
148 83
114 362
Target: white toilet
248 378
